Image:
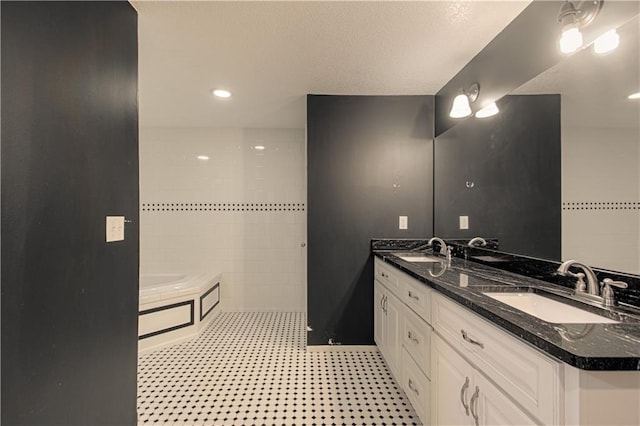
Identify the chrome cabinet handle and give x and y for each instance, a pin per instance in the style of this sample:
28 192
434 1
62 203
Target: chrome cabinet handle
463 395
474 406
470 340
386 299
382 302
413 388
412 338
413 296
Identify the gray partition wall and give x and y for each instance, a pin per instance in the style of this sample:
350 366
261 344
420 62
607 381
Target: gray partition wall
369 161
69 158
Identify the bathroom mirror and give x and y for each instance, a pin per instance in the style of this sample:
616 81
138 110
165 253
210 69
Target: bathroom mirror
599 157
600 166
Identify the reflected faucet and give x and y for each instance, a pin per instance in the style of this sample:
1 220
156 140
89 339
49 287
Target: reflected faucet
592 280
477 241
443 246
573 336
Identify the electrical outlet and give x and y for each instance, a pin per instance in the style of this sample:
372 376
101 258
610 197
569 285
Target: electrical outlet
464 280
115 228
403 222
464 222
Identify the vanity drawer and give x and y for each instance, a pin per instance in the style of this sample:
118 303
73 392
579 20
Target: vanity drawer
387 275
417 387
528 376
416 338
417 296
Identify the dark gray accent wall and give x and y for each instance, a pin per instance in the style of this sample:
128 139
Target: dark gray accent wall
369 161
69 158
504 172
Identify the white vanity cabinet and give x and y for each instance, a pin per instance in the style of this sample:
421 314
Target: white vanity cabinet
461 395
458 368
387 323
402 309
529 377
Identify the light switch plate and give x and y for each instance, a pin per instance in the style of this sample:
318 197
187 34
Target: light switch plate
464 222
115 228
403 222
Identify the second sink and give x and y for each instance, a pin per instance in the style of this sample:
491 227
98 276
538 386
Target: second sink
420 258
548 309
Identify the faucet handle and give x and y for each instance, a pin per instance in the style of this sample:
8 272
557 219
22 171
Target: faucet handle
608 295
580 284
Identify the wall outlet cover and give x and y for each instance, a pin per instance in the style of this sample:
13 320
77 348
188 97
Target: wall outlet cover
115 228
403 222
464 222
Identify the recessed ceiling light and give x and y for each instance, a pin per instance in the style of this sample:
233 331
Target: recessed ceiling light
221 93
259 147
203 157
634 96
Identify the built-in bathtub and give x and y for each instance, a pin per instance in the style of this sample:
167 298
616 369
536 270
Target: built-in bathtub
175 307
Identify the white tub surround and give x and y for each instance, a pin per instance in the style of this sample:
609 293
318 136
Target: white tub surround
175 307
229 200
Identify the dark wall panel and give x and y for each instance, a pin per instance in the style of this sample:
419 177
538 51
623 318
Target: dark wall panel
69 158
504 173
369 161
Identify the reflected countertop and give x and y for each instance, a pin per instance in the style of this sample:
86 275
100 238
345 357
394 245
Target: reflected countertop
610 347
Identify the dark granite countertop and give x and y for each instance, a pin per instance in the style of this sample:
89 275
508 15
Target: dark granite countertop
586 346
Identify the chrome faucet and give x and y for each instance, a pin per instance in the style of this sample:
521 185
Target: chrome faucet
443 246
477 240
592 281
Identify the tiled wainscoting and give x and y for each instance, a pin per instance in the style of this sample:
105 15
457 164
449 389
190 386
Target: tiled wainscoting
253 369
241 211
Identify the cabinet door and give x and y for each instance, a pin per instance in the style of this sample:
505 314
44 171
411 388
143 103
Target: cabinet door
492 407
392 327
378 314
452 385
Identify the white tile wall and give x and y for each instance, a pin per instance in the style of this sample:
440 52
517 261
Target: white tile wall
599 166
258 252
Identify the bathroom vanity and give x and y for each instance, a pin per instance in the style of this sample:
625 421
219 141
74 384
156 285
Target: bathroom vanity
466 356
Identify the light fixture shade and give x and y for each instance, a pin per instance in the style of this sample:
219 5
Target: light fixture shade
460 108
571 40
607 42
488 111
634 96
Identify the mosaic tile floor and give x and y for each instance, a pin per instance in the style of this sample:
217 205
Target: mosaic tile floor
253 369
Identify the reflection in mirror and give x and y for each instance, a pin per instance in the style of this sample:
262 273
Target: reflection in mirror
600 128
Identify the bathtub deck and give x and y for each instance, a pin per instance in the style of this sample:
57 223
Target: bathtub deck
253 369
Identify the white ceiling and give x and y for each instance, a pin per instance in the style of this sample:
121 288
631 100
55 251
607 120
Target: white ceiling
271 54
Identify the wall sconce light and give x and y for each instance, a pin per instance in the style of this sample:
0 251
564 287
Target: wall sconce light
461 107
488 111
574 15
606 42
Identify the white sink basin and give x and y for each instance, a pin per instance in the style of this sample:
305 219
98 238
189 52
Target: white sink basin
421 259
548 309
